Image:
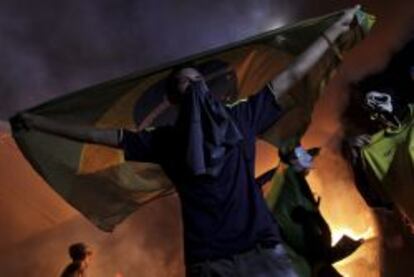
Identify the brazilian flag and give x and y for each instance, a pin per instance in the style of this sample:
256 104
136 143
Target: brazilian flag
98 182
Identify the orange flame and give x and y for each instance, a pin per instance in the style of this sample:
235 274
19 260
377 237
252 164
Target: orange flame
347 214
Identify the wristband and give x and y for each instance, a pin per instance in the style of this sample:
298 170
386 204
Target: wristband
334 48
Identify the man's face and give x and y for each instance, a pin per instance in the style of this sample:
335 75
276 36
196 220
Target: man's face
379 102
301 161
185 77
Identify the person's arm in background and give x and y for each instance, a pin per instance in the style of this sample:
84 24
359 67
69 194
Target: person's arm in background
304 62
108 137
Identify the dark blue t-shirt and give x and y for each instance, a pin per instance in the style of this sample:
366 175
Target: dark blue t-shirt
222 215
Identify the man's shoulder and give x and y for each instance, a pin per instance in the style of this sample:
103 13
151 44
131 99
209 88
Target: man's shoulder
71 270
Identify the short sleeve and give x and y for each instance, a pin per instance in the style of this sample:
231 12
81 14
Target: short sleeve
140 146
258 112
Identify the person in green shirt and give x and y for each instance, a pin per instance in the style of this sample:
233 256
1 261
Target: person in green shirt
305 232
383 158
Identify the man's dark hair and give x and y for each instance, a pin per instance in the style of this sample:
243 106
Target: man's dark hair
78 251
220 78
171 80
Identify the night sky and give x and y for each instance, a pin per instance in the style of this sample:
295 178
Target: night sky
50 48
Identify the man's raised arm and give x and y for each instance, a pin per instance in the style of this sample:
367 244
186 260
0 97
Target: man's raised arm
108 137
304 62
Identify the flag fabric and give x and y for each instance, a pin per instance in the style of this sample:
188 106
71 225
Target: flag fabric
98 182
388 163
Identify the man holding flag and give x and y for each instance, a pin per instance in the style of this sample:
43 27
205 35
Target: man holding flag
209 156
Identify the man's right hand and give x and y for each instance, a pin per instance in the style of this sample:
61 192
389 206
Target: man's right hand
23 121
343 24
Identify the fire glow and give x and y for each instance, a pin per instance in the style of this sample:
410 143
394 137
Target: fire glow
347 214
338 232
341 206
